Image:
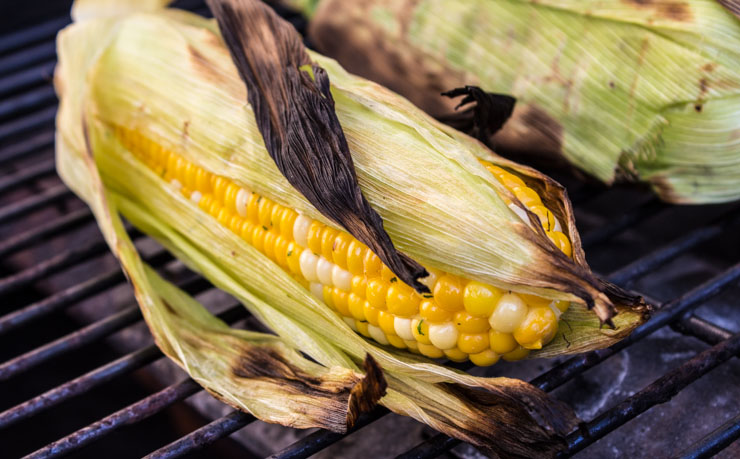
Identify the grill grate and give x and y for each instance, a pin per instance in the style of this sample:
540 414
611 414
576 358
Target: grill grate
37 210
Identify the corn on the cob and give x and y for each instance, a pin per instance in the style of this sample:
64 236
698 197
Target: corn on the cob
152 126
625 90
467 319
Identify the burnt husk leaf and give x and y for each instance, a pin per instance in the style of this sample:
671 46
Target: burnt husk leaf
483 119
295 115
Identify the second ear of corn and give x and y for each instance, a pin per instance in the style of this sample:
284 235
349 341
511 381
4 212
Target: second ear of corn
625 90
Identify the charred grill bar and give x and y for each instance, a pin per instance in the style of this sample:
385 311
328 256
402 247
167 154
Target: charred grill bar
27 109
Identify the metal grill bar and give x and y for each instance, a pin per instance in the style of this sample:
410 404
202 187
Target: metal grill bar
70 296
432 447
319 440
53 265
36 144
27 175
31 34
660 391
715 442
26 78
136 412
29 56
22 103
648 209
33 122
204 436
45 231
667 313
28 205
94 378
85 335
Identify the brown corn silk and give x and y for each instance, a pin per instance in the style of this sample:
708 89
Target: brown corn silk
625 90
168 75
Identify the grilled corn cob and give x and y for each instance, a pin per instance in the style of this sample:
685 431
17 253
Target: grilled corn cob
152 126
624 90
460 319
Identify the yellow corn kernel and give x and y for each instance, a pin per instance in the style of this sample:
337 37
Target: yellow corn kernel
219 187
467 323
340 299
293 257
386 322
371 264
412 346
395 341
485 358
362 327
327 242
430 310
356 305
268 247
258 238
355 257
472 343
281 251
287 222
214 208
314 237
517 354
265 212
401 300
431 280
205 202
448 293
245 231
339 249
430 351
387 275
444 335
420 330
501 343
235 224
224 217
538 328
534 300
230 197
376 293
509 313
510 180
547 219
328 294
527 196
371 313
562 305
561 242
203 181
495 170
359 286
253 208
480 299
456 355
275 217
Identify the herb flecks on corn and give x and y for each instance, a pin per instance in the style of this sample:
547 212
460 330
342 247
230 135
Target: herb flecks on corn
460 319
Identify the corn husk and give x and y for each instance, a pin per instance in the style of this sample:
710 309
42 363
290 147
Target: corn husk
625 90
167 74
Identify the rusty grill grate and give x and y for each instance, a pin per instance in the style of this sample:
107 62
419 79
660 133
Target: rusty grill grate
684 260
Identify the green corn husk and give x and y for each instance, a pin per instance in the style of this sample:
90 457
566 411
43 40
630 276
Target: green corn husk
167 74
624 90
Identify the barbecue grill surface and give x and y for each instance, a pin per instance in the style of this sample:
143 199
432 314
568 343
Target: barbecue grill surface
79 374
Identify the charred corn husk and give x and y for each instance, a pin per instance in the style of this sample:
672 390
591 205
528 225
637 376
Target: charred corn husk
625 90
153 126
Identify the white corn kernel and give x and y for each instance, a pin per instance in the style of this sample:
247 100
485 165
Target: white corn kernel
341 278
520 212
377 334
196 196
443 336
242 198
508 314
317 290
403 328
351 322
308 263
323 270
300 230
176 184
